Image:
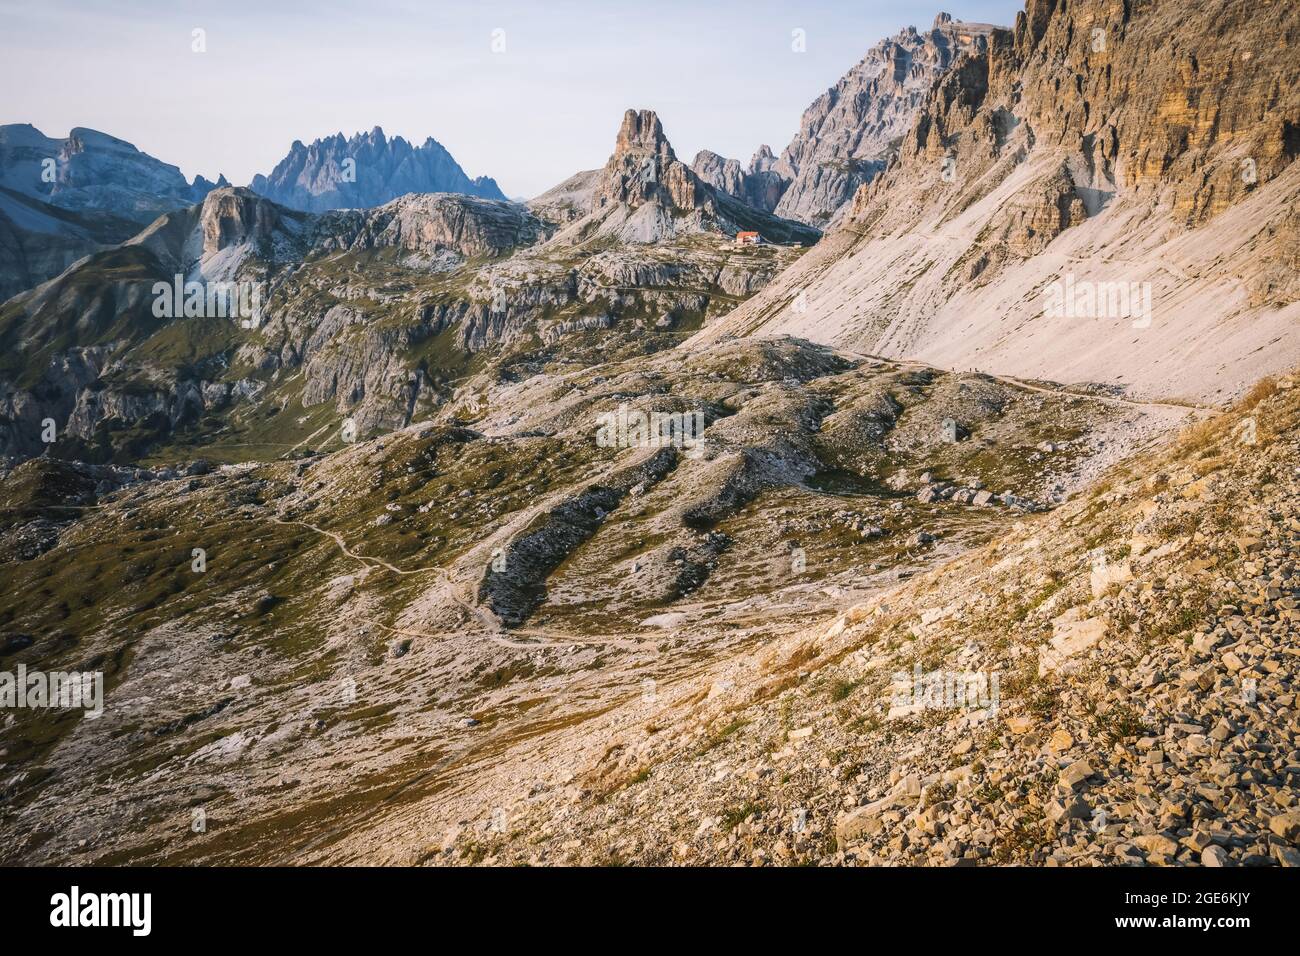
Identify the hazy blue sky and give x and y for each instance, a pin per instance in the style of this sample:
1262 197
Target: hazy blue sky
721 74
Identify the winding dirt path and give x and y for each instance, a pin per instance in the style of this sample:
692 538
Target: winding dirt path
492 629
1062 391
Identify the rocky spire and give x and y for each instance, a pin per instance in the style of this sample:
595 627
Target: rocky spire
644 168
641 132
763 160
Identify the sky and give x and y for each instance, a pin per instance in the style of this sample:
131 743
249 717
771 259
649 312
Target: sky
526 92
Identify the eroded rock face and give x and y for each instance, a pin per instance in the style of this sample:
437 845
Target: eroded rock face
1124 106
1201 124
720 172
644 168
1141 147
763 160
569 200
760 186
1026 224
368 169
1278 282
433 223
848 134
233 217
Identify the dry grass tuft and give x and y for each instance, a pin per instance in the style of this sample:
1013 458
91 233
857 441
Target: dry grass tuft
1263 389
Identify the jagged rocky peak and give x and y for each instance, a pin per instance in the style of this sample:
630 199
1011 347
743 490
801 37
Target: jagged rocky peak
644 168
849 133
642 132
367 169
1034 159
762 160
645 193
760 185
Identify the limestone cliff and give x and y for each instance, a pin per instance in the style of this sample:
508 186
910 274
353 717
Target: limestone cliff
1136 147
848 134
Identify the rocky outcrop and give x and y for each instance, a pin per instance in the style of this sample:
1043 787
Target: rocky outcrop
719 172
430 224
1277 283
644 168
90 170
760 186
235 217
849 133
368 169
568 201
232 235
764 187
364 374
516 582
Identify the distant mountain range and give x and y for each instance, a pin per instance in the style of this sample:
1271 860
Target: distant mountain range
633 255
369 169
107 188
39 240
63 199
90 170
